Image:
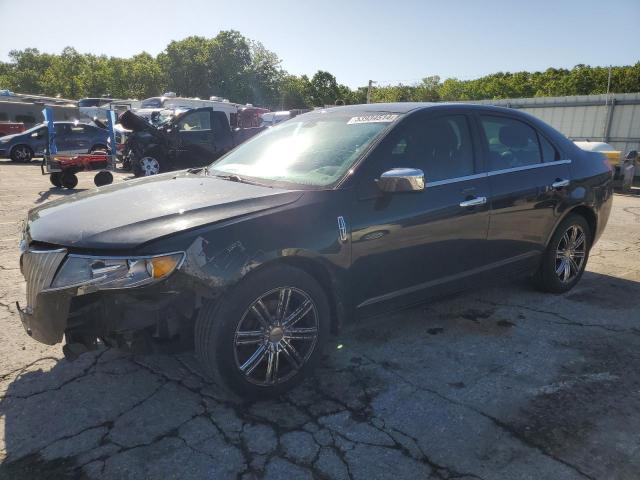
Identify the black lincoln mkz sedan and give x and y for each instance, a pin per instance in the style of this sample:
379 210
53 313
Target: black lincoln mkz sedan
337 213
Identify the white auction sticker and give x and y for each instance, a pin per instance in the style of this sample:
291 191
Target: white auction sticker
382 118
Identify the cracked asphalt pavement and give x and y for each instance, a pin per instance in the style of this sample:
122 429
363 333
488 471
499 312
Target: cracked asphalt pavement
497 383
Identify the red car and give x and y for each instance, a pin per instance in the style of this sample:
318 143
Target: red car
11 128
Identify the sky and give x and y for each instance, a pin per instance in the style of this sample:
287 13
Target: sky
388 41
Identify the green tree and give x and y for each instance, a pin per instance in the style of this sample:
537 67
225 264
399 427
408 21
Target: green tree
324 89
65 76
186 64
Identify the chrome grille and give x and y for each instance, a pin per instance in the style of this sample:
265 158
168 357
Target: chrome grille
38 268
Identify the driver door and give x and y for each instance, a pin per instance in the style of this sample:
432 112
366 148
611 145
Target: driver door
409 245
196 145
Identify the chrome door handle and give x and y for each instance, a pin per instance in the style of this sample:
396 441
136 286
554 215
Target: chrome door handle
474 202
560 183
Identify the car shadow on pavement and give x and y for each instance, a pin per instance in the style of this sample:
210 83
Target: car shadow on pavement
45 195
503 383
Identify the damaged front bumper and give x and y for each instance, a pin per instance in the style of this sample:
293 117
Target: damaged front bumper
82 313
47 321
45 314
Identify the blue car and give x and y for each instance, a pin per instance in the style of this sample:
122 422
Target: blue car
71 138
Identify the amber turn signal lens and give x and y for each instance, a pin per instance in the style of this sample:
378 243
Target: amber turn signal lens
163 266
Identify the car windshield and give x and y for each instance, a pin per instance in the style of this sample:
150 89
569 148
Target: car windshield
315 149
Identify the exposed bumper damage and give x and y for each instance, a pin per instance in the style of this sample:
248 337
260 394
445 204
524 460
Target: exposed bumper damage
47 321
147 318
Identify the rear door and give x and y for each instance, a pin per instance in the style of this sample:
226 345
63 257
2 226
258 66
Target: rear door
528 181
196 144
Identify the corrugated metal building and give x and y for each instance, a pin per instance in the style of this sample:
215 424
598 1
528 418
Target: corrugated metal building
614 119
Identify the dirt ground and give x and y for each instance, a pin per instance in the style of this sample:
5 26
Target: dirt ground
499 383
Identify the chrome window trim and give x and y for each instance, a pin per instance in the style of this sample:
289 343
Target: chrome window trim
528 167
456 180
476 176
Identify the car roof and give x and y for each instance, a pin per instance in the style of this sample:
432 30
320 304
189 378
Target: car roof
406 107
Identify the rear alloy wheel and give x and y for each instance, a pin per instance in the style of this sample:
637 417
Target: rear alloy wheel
570 253
69 180
565 259
263 338
149 166
21 153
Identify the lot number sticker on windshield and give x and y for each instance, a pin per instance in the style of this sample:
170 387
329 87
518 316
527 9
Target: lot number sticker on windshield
372 119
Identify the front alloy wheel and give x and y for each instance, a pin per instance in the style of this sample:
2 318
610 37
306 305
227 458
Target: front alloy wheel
276 336
266 334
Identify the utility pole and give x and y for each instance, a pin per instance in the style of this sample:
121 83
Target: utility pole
371 82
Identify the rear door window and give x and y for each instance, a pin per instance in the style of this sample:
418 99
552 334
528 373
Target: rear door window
511 143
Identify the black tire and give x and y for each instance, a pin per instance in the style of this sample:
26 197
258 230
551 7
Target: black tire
217 324
103 178
55 179
69 180
21 153
546 278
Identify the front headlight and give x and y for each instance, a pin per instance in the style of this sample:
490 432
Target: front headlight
105 273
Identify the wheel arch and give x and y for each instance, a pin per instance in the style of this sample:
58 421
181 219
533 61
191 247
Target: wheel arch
325 278
584 211
589 215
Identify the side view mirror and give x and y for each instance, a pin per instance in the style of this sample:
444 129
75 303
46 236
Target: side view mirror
401 180
631 155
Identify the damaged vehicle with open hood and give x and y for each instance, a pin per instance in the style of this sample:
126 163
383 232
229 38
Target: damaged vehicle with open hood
188 138
255 258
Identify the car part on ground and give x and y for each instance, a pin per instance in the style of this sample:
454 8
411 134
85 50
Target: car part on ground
344 212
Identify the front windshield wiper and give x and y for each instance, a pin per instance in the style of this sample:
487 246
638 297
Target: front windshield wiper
232 177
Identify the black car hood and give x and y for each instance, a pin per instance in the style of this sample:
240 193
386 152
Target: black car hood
125 215
136 123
